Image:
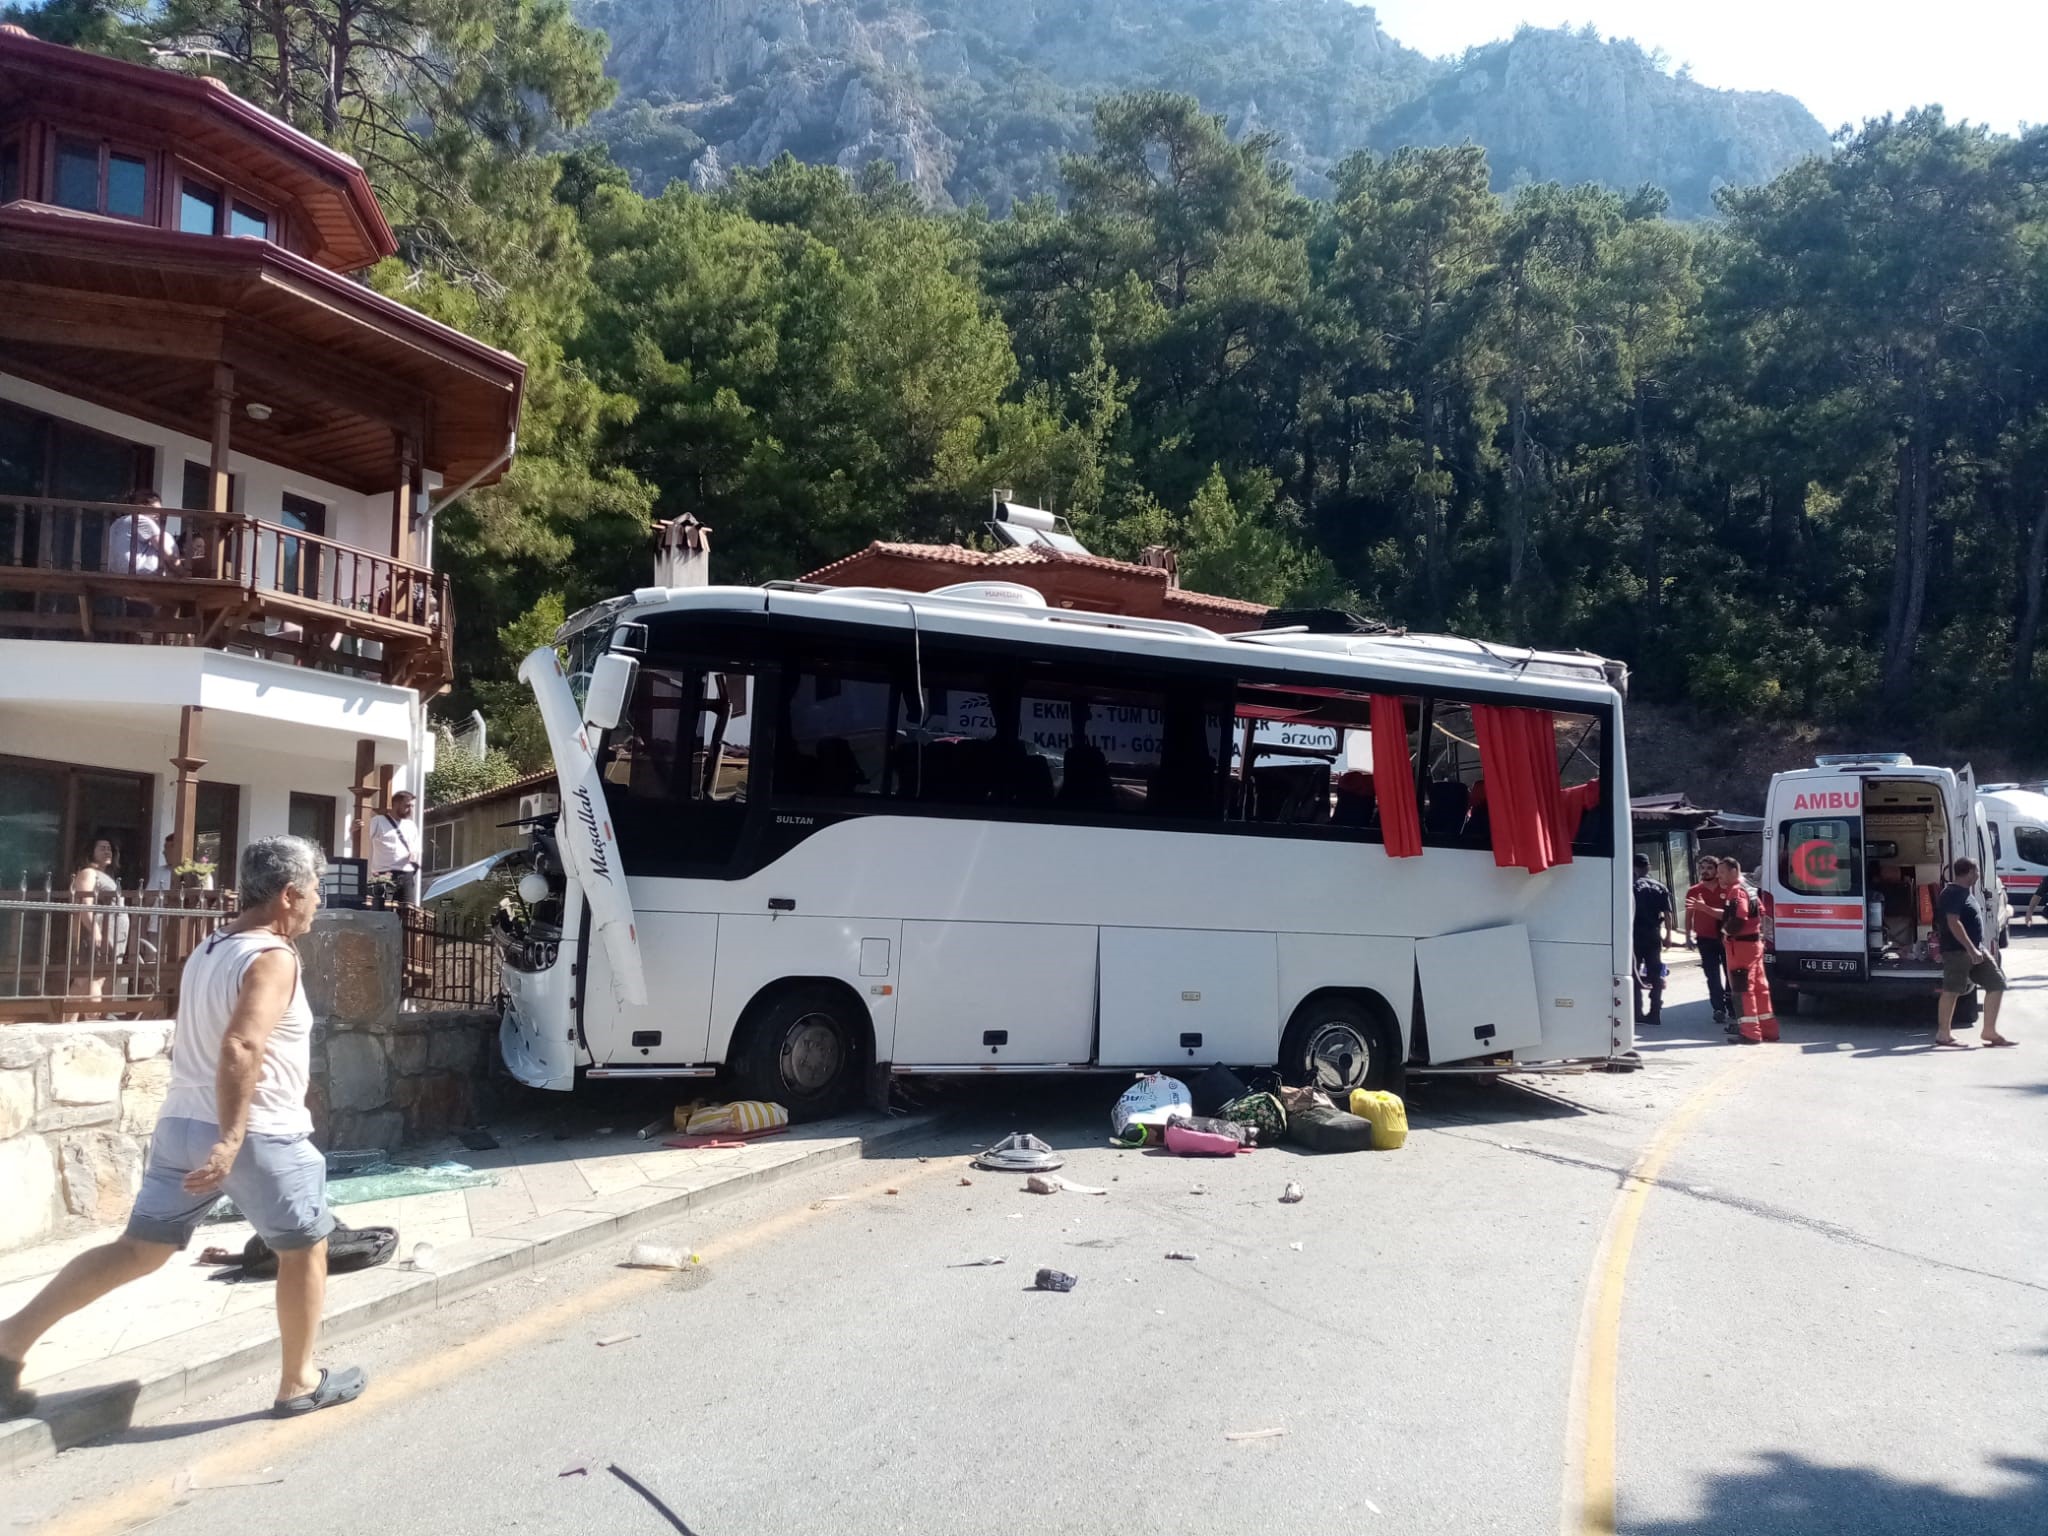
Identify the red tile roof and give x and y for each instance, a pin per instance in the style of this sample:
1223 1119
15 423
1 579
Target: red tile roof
1037 555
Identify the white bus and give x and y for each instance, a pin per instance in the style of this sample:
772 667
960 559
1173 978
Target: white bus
864 832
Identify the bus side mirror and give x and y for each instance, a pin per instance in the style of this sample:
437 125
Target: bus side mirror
611 684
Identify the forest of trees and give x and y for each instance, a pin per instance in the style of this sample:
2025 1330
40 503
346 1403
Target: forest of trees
1789 464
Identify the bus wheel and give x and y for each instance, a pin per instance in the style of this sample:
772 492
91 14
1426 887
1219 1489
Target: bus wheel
1337 1043
802 1051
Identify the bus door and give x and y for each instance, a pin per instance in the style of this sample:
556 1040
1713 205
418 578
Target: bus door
1817 900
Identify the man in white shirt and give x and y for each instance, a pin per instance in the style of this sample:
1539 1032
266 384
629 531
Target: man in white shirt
394 847
136 542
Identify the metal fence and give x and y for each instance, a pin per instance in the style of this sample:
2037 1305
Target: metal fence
449 963
66 957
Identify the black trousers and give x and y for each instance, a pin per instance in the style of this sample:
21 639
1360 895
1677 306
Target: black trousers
1649 968
1714 961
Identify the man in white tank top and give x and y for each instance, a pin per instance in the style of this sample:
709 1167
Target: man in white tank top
234 1121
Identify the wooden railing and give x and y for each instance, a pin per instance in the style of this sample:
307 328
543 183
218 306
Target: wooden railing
92 570
66 957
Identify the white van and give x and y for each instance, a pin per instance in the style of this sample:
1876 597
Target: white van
1856 848
2018 818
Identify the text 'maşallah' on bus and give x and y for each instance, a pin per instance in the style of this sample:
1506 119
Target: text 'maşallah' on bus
818 836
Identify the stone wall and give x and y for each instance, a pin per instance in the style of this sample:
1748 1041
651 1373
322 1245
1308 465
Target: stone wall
77 1104
383 1076
78 1101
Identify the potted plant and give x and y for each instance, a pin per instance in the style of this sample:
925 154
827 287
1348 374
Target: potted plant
195 875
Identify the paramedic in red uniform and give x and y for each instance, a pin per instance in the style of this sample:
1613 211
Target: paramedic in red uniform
1749 990
1703 903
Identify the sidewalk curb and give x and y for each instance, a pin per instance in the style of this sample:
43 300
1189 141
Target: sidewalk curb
126 1389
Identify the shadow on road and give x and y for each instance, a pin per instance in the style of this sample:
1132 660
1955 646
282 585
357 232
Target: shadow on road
1790 1495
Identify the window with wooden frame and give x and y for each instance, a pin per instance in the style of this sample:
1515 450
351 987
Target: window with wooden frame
10 168
206 205
96 175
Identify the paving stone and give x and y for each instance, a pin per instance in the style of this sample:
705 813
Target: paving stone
356 1076
17 1102
28 1173
85 1070
102 1171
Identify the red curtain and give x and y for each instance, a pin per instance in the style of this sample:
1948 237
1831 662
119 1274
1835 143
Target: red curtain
1393 774
1524 790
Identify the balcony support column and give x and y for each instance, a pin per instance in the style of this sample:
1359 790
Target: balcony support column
185 807
218 479
364 792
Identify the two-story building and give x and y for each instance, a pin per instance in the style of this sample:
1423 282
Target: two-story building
179 317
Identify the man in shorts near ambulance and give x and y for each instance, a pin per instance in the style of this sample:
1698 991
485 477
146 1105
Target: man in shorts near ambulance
1965 963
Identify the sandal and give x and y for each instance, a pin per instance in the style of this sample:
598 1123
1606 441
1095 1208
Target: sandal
2001 1040
15 1403
1951 1045
335 1387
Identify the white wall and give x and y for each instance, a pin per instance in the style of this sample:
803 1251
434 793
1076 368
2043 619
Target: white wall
352 517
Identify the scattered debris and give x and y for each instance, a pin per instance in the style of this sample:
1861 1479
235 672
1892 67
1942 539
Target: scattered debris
1081 1189
965 1181
976 1263
830 1199
654 1128
425 1257
580 1469
657 1256
1176 1253
1039 1184
1254 1434
1291 1195
1054 1280
189 1482
924 1159
653 1498
704 1143
1019 1152
1296 1247
892 1191
1373 1507
1198 1189
477 1139
615 1338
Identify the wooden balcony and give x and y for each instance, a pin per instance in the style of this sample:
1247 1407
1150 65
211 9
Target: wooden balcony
231 583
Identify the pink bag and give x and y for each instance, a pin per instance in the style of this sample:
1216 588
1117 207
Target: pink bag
1185 1139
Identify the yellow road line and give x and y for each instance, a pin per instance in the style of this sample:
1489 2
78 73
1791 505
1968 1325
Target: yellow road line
1589 1499
271 1440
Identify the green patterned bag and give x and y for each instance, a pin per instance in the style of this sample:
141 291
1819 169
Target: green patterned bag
1261 1111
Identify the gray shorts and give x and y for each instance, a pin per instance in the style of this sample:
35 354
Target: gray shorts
278 1183
1959 976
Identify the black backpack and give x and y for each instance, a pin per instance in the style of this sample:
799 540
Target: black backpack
348 1248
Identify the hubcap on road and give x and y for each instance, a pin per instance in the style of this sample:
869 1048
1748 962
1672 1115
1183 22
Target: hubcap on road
811 1053
1339 1057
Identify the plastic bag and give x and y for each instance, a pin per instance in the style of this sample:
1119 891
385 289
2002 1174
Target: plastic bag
748 1117
1260 1111
1389 1116
1151 1101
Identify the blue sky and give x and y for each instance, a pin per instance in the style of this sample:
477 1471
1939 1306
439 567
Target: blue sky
1986 60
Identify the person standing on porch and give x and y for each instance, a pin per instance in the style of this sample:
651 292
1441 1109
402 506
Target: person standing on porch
394 847
234 1121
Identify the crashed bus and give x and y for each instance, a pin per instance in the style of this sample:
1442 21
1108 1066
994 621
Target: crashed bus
814 837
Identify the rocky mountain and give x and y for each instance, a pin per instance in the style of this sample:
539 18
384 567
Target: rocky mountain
979 98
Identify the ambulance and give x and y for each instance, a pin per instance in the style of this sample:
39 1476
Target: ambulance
2018 818
1856 849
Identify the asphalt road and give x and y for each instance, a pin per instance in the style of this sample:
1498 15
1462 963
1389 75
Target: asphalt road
1825 1312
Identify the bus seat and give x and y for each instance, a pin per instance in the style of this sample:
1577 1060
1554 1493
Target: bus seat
1357 800
1085 784
1443 815
1026 777
1294 793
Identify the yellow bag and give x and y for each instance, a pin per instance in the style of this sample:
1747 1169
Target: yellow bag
1389 1116
748 1117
